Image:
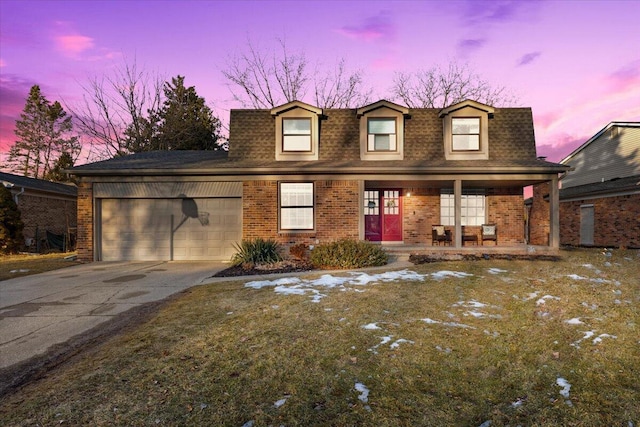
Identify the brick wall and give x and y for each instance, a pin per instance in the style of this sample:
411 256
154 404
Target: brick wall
337 212
46 213
505 208
421 210
539 216
84 244
616 221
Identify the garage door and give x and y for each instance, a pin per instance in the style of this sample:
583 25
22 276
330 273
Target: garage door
160 229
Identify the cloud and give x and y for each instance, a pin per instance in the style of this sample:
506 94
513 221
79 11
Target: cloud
528 58
373 28
496 12
73 45
625 77
468 46
13 92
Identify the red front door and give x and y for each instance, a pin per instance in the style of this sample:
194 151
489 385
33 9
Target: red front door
383 215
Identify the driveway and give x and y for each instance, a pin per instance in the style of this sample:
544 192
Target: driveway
40 313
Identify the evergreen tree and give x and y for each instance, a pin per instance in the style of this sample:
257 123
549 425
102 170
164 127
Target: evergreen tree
43 132
184 121
65 161
11 224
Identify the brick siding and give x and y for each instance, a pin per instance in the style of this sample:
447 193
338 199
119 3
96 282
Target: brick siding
616 221
505 208
539 216
336 213
40 214
84 244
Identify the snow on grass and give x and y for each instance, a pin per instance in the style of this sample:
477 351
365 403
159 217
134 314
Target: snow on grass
443 274
576 277
497 271
470 304
566 386
542 300
297 286
364 392
280 402
371 326
589 334
397 343
452 324
574 321
598 339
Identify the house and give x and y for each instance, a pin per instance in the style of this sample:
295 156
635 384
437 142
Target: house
300 174
44 206
600 195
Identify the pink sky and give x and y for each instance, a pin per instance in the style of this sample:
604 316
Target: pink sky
575 63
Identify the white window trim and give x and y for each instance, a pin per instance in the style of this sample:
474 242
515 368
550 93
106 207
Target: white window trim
312 207
449 220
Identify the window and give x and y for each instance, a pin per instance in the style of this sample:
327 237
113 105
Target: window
296 134
473 209
296 206
371 201
465 133
381 134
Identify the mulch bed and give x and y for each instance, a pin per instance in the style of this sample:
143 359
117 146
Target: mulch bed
280 267
424 259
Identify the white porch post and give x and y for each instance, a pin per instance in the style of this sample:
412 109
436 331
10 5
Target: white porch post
554 212
457 195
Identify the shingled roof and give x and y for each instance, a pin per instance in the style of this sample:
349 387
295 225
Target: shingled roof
617 185
39 184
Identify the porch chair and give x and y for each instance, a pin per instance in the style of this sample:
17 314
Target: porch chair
489 232
439 234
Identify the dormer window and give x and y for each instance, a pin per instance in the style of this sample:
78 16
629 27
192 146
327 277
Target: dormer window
297 131
465 132
382 131
296 135
381 134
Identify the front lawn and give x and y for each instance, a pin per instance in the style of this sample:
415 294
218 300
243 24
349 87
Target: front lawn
491 342
12 266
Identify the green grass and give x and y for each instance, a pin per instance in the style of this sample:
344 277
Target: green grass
224 354
12 266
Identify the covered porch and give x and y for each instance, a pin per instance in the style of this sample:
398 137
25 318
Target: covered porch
406 213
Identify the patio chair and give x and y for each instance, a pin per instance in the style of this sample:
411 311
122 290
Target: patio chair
440 235
489 232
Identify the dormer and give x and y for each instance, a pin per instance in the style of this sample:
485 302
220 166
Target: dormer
382 131
466 130
297 131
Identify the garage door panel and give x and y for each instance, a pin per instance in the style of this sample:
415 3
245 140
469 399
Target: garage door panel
141 229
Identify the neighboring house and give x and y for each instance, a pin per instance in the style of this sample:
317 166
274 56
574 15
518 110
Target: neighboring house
600 195
44 206
300 174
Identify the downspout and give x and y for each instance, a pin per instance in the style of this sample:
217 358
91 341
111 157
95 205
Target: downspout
15 196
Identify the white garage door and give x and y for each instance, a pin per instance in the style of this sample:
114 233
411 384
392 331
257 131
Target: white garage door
169 228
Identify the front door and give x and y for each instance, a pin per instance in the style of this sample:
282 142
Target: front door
383 215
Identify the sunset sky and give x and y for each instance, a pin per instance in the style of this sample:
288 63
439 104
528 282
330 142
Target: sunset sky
575 63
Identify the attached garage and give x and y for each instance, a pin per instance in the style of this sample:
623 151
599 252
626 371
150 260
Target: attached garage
167 221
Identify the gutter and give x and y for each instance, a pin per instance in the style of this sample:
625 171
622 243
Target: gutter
15 196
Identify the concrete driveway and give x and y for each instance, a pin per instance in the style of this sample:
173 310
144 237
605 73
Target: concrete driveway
42 311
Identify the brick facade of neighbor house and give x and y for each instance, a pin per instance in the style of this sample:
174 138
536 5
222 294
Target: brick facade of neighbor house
336 213
617 221
505 208
84 244
41 214
539 219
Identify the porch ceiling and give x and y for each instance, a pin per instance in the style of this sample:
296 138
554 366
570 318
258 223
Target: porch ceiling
448 183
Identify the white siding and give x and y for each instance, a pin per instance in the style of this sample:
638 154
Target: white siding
614 154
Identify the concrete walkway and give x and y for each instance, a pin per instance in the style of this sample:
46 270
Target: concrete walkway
41 311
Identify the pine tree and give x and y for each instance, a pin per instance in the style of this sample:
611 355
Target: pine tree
185 121
43 132
11 224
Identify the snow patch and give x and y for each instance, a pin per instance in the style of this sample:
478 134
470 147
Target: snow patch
438 275
497 271
453 324
574 321
565 387
542 300
280 402
371 326
364 392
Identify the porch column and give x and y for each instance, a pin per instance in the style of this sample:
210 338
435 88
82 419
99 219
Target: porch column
554 212
457 195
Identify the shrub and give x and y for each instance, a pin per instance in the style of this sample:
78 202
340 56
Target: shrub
348 253
256 251
300 252
11 224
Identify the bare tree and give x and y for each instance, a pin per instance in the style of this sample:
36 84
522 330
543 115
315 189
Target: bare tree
115 110
439 87
262 79
341 89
